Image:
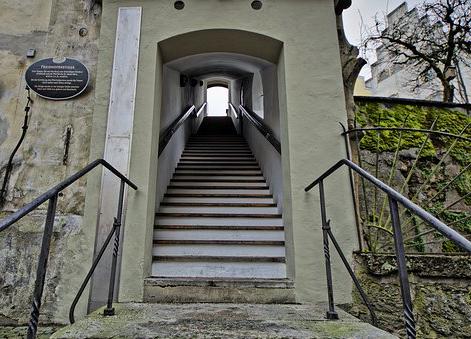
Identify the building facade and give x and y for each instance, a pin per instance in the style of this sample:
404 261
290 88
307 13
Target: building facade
395 80
148 62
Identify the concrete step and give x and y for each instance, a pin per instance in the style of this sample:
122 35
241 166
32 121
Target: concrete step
218 195
216 158
221 252
233 319
225 162
218 200
221 148
202 177
161 289
228 143
202 221
226 190
223 169
217 153
221 172
215 215
218 227
219 235
219 210
218 269
218 184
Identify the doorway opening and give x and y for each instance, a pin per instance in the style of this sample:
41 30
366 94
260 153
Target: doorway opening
218 101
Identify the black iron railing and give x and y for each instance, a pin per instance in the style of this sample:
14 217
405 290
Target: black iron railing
166 135
394 198
51 196
373 225
261 127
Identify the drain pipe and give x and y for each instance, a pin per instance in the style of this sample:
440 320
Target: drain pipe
9 167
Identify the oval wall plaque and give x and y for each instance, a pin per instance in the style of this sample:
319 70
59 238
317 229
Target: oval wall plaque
57 79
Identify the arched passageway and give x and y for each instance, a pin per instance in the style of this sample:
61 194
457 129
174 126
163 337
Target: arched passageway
220 170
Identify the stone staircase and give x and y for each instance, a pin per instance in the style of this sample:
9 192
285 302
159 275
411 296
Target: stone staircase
218 225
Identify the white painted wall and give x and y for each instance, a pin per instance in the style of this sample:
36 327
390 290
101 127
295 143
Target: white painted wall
257 94
173 103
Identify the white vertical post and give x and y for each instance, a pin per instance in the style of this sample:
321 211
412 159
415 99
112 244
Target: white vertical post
118 137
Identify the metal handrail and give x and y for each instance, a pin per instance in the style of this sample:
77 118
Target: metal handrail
262 127
235 110
200 109
165 136
394 198
14 217
52 195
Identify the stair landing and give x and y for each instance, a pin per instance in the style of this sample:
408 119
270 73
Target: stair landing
134 320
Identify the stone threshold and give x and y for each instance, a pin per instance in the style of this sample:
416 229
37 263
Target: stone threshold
141 320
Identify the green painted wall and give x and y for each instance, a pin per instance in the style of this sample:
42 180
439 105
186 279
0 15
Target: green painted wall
311 105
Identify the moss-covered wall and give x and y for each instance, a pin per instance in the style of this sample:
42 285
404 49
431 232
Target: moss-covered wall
440 289
432 170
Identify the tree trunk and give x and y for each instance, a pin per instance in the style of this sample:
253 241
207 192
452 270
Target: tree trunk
447 90
351 67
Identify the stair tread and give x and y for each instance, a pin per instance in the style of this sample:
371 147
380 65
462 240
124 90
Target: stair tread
214 269
218 235
219 242
190 258
217 215
217 227
221 190
209 178
214 204
228 221
218 183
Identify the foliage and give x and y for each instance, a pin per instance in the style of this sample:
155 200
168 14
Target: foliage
430 41
373 114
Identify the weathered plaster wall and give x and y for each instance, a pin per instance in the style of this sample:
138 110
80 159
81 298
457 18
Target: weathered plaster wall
52 28
441 293
173 104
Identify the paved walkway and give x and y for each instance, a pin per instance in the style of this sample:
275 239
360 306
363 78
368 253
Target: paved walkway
134 320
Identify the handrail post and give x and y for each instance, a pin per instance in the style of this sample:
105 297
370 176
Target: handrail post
42 267
331 313
402 269
109 310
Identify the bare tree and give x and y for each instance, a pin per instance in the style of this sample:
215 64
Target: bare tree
351 63
430 42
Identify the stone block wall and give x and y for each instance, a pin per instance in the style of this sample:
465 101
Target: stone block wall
440 288
56 145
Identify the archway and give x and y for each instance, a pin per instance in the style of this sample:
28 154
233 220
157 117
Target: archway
217 101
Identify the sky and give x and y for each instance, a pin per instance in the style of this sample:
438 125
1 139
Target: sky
364 11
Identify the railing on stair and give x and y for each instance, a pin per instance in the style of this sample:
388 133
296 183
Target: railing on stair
259 125
166 135
52 196
394 198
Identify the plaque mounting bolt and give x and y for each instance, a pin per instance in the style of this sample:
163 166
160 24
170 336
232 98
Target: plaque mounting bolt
31 53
